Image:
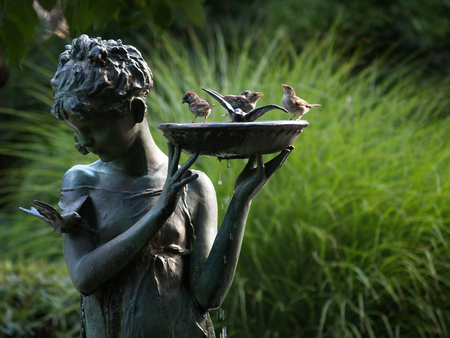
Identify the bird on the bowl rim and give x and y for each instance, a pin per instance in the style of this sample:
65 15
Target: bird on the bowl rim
294 104
197 106
246 101
238 115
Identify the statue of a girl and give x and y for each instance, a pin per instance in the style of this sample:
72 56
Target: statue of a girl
140 232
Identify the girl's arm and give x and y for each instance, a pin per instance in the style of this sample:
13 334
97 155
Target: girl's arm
212 271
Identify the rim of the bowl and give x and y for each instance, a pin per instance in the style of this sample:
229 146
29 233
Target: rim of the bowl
232 125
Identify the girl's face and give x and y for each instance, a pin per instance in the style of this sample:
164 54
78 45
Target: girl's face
109 137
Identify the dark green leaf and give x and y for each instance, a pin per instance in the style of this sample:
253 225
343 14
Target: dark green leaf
14 42
47 4
79 14
24 16
162 14
128 18
195 12
104 11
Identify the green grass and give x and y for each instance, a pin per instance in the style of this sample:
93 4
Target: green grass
349 239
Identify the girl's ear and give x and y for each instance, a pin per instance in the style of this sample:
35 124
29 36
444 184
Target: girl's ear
138 109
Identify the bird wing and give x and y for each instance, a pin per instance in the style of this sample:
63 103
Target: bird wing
260 111
46 213
300 102
200 105
244 103
219 98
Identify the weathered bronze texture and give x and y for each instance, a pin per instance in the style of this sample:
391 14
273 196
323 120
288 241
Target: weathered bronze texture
140 235
233 140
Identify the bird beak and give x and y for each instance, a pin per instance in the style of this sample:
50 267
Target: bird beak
284 86
259 94
183 101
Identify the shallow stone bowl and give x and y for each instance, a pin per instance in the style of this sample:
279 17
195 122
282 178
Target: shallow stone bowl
231 140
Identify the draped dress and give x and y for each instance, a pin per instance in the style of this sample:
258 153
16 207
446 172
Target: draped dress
151 296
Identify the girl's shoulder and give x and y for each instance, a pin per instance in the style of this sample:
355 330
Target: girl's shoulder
81 175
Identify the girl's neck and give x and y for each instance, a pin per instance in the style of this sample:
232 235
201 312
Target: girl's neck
143 156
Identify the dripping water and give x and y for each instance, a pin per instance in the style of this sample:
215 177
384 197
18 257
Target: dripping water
220 172
222 316
223 334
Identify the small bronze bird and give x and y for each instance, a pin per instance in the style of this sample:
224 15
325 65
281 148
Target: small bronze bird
246 101
238 115
197 106
294 104
64 222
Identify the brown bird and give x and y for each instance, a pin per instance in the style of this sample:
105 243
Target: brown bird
294 104
56 23
197 106
246 101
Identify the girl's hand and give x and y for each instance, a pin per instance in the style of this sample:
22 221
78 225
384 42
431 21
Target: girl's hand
177 179
254 177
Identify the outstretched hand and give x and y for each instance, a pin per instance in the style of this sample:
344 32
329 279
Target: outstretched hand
256 174
177 178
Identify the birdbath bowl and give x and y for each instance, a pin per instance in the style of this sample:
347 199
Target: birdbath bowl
232 140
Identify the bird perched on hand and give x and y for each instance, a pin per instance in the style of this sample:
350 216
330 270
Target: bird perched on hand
197 106
294 104
238 115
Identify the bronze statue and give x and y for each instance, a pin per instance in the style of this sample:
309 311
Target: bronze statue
140 236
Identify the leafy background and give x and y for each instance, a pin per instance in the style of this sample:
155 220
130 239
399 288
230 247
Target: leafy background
350 239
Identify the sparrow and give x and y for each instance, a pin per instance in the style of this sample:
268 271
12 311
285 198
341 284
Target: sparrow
246 101
197 106
238 115
294 104
56 23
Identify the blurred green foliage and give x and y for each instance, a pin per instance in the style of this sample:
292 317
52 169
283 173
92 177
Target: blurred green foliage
416 26
19 21
37 299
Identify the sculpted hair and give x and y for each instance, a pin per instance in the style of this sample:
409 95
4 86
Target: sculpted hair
106 73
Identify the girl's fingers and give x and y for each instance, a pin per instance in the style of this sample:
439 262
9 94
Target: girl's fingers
180 172
274 164
171 151
251 163
175 159
185 181
260 167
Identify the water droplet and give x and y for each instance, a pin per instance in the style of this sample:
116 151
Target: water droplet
222 314
231 236
224 259
223 334
227 199
228 164
220 173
